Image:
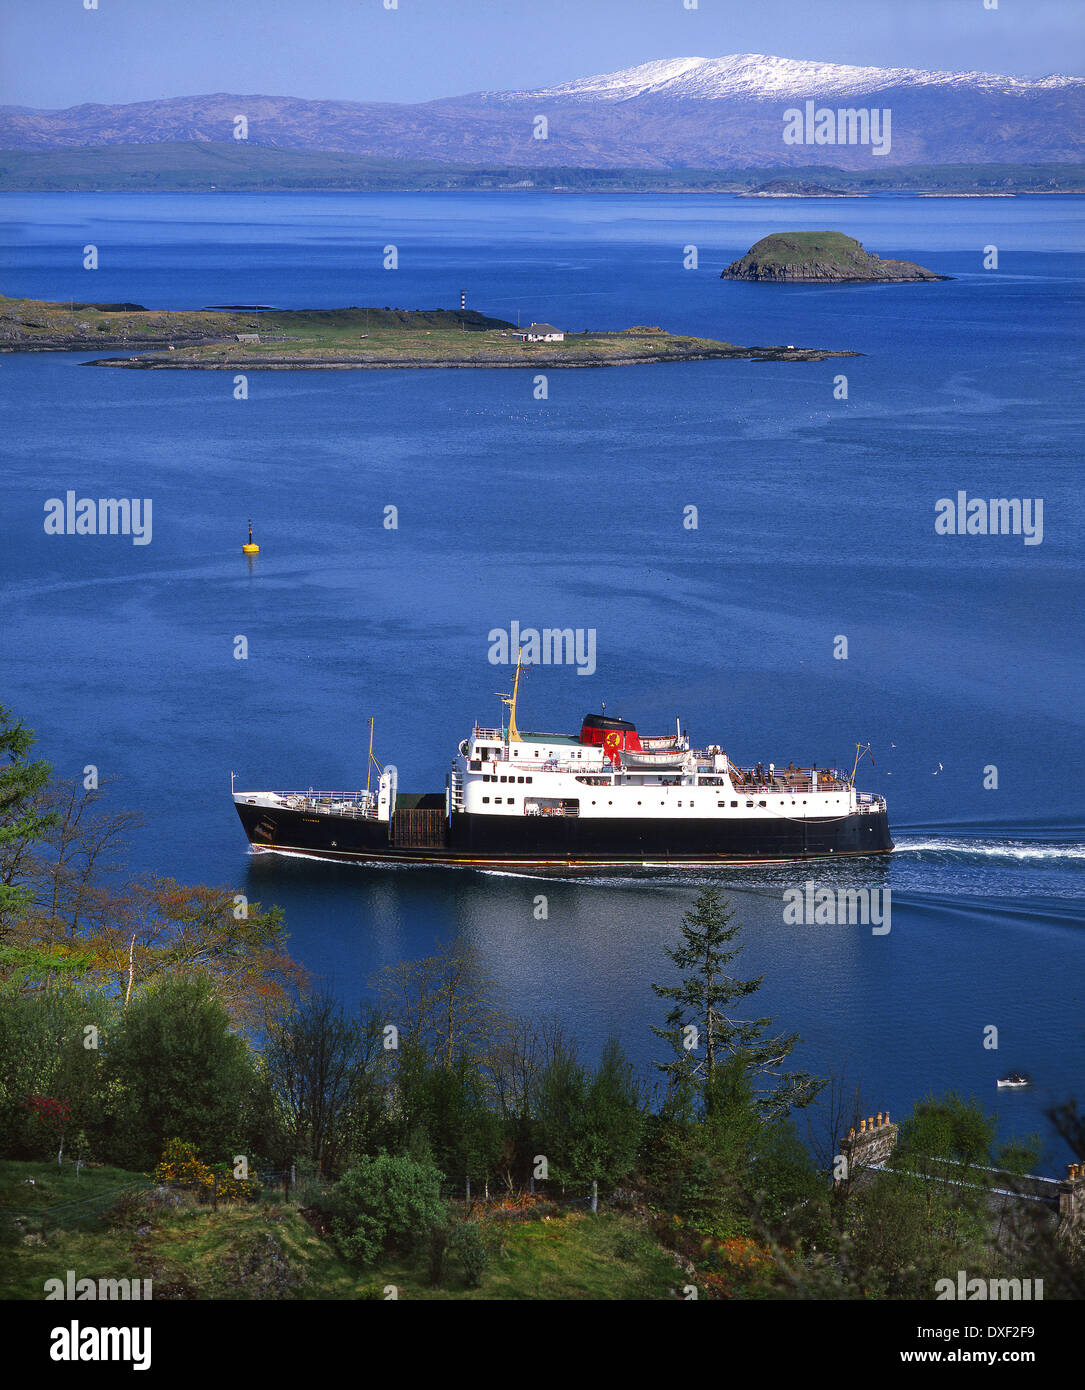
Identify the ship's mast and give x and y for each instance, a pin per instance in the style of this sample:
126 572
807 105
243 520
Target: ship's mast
860 749
369 764
509 701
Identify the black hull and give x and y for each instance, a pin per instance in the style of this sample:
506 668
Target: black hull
564 845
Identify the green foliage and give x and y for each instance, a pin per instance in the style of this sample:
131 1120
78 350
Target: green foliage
443 1110
901 1231
42 1053
22 822
176 1068
383 1202
589 1125
322 1077
946 1127
701 1012
473 1250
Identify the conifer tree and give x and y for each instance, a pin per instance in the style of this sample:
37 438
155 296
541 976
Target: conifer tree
704 1032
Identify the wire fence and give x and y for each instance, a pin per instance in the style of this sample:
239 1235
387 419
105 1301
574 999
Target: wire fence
471 1195
77 1212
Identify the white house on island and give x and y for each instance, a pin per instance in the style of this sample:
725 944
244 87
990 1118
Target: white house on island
540 333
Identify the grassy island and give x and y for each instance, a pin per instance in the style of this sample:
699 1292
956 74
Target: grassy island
811 256
251 338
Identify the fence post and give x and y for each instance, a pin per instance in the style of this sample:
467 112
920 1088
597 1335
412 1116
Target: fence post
214 1192
531 1183
294 1175
286 1185
594 1195
468 1197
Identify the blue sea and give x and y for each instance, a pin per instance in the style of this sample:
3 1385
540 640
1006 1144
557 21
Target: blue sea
815 522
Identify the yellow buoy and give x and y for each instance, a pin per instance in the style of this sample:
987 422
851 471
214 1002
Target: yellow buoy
251 548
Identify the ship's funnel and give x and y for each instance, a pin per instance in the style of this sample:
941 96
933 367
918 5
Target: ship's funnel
613 734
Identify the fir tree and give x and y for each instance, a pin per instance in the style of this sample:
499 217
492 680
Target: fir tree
702 1029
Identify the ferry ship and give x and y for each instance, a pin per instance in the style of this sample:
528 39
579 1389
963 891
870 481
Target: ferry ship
607 798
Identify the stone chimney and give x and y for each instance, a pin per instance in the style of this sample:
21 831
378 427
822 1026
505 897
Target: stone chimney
1072 1206
873 1144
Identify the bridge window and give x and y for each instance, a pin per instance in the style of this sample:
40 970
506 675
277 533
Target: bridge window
485 801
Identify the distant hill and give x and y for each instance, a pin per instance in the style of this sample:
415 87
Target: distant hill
216 166
830 256
686 112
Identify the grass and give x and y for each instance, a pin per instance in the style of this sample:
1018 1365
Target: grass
352 336
192 1252
570 1257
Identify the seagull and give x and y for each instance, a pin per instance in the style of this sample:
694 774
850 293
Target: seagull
935 774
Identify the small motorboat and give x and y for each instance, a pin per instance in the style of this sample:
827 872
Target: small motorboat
1014 1081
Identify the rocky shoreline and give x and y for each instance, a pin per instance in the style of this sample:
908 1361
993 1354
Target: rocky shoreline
239 362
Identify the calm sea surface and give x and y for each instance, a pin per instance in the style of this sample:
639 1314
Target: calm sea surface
816 520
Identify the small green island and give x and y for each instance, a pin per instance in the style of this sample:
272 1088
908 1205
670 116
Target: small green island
820 256
254 337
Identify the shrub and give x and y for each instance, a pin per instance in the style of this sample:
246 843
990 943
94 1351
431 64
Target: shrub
180 1163
473 1252
384 1201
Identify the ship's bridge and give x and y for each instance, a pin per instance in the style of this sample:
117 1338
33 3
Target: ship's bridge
530 749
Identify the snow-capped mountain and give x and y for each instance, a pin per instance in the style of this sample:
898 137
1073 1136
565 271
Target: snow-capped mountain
707 113
761 76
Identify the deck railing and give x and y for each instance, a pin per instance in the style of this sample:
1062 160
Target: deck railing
357 805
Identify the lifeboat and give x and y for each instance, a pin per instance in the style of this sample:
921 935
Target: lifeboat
654 759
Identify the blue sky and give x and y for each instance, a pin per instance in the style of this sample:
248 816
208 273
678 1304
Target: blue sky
57 53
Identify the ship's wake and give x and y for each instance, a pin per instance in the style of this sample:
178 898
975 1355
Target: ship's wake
1021 851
